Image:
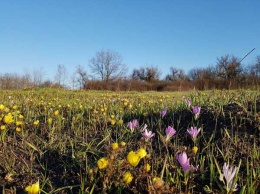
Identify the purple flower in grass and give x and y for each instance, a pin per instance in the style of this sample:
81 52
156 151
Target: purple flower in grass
196 111
163 112
147 134
185 162
229 174
188 102
169 131
133 124
193 131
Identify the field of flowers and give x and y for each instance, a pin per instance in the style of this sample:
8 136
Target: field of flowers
57 141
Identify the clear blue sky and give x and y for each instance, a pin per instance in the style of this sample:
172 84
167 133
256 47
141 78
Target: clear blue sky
184 34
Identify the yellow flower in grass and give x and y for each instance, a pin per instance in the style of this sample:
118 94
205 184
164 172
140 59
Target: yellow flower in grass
127 178
36 122
133 158
18 129
8 119
120 122
50 120
2 107
115 146
19 123
122 143
113 122
102 163
56 112
141 153
34 188
147 167
195 149
3 127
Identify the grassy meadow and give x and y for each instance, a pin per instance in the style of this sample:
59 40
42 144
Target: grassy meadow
62 141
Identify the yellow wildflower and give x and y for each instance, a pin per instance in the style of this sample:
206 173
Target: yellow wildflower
34 188
141 153
19 123
56 112
50 120
113 122
102 163
195 149
130 106
128 177
18 129
2 107
115 146
36 122
122 143
120 122
8 119
3 127
133 158
147 167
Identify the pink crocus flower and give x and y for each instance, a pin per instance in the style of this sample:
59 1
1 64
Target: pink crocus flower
133 124
169 131
193 131
147 134
185 162
163 112
188 102
228 174
196 111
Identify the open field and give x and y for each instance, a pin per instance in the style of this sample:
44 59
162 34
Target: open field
90 142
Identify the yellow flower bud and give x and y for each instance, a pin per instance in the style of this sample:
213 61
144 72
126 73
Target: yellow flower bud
122 143
195 149
147 167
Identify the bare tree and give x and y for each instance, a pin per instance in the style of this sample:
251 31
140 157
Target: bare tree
175 74
61 76
254 69
228 67
38 75
107 65
80 77
15 81
146 74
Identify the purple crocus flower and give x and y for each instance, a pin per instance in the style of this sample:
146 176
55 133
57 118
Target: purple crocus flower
147 134
196 111
169 131
163 112
228 174
188 102
133 124
185 162
193 131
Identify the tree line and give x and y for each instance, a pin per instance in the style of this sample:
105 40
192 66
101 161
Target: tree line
108 72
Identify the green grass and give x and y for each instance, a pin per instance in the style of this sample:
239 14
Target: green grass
77 128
